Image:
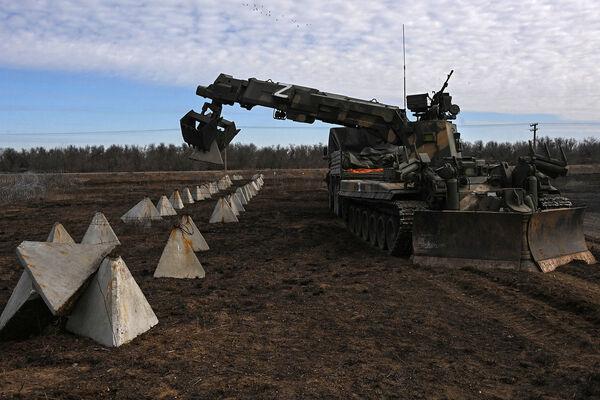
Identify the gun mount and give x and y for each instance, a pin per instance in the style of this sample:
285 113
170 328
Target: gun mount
439 106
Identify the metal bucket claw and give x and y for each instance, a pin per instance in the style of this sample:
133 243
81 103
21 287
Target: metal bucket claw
208 133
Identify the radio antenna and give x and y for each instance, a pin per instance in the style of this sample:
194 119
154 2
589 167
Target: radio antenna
404 64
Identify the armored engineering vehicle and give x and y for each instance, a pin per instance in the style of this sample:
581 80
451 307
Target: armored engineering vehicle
405 186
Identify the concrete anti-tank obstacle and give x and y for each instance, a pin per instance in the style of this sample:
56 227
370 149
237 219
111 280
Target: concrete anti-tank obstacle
205 191
142 213
178 259
236 212
59 270
22 293
58 234
224 183
191 231
247 194
187 196
214 189
25 291
112 310
235 204
222 213
176 201
100 232
240 192
238 197
165 208
249 191
198 196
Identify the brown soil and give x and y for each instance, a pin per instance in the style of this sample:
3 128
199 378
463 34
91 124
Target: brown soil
294 306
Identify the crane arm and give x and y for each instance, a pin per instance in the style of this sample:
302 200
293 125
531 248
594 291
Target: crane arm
208 132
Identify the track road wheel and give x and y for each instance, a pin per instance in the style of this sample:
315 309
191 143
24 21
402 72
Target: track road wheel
391 234
350 219
373 228
364 233
357 221
380 229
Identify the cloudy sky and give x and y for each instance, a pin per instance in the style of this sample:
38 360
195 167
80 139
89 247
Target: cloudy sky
89 66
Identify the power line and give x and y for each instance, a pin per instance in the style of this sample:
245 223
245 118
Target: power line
145 131
88 132
591 123
161 130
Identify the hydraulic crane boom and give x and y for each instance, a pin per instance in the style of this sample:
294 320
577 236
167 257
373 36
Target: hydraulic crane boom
297 103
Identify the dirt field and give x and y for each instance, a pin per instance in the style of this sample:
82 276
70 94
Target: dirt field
294 306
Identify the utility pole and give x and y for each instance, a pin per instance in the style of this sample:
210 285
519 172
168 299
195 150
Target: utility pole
404 64
225 159
534 129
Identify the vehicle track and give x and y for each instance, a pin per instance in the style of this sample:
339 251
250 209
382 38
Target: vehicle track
534 320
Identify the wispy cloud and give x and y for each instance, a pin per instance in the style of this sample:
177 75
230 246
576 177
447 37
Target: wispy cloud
513 56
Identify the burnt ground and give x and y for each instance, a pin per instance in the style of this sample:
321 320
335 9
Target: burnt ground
294 306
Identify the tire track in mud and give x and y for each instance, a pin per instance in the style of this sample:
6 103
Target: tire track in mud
591 289
587 273
563 292
527 317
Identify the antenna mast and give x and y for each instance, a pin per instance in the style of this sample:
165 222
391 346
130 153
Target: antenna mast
404 63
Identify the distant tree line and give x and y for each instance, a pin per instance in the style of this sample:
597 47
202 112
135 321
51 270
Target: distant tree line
247 156
586 151
155 158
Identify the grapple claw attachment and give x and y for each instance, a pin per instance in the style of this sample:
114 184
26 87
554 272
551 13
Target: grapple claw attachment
208 133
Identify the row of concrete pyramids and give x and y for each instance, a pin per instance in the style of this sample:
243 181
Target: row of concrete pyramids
226 210
229 208
145 212
112 309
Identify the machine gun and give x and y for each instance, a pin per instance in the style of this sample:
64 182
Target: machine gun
437 107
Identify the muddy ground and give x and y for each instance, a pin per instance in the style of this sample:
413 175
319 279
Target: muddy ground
294 306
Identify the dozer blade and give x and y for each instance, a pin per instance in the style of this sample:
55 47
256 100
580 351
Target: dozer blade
469 238
556 238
